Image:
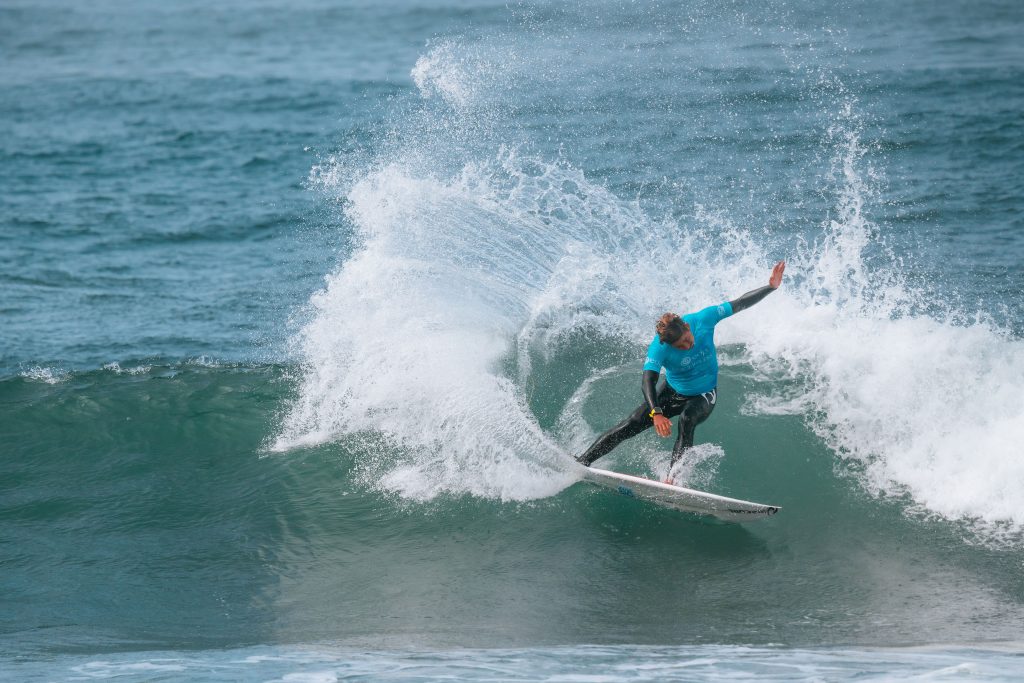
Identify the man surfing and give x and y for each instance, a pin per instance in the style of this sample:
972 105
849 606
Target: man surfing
685 348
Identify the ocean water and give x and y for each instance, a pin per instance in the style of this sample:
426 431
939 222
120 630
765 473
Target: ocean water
305 308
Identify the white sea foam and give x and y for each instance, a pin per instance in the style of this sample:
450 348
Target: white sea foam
455 279
107 669
47 375
928 407
424 336
464 79
443 72
116 368
407 339
637 663
696 469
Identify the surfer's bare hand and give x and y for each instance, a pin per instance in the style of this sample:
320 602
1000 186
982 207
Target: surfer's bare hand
776 278
662 425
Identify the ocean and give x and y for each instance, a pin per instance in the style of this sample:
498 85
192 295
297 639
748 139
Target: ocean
306 307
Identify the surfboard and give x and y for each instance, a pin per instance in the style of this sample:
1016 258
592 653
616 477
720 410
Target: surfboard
679 498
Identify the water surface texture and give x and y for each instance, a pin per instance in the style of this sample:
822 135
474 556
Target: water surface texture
305 308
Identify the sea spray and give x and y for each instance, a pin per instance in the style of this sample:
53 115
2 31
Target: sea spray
452 276
926 407
468 268
408 335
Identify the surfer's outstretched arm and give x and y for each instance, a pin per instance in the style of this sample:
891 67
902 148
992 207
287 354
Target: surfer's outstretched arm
755 295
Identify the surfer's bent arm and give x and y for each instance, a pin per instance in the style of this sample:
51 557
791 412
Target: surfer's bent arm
649 386
750 298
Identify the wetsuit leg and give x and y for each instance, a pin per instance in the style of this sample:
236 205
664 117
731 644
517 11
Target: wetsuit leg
638 421
695 410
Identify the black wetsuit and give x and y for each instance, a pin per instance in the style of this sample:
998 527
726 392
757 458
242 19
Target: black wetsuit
692 409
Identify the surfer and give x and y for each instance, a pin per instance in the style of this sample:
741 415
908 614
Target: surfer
685 348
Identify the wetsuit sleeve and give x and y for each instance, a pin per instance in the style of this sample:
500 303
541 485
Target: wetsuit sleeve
750 298
649 385
652 371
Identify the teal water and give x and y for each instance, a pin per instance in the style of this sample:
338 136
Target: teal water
304 308
586 663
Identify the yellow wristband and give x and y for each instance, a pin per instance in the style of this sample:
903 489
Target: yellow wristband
654 411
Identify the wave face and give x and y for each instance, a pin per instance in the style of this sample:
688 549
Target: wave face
137 515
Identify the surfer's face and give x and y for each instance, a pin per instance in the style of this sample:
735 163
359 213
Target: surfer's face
685 341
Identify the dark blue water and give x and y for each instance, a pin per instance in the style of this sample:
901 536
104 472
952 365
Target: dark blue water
304 308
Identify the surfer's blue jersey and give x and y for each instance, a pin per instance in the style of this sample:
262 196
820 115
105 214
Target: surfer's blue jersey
694 371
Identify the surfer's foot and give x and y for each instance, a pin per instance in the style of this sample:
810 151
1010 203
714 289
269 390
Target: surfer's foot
668 480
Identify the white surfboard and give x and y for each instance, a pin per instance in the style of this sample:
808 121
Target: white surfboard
679 498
